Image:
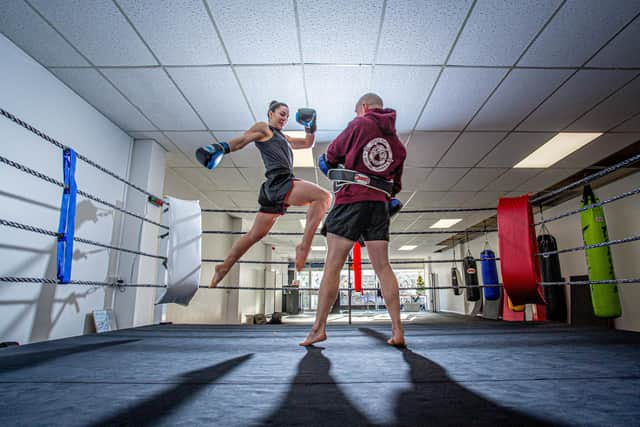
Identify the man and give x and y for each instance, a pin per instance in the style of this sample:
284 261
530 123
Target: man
369 146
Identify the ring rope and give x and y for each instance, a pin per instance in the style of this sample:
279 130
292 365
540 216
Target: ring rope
393 233
435 261
47 138
591 206
402 211
595 245
585 180
44 177
77 239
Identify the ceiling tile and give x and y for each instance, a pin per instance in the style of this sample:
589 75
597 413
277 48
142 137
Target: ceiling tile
457 96
333 91
514 148
477 178
454 199
418 32
177 160
579 94
347 40
267 83
545 179
426 148
498 31
308 174
157 97
248 156
89 84
244 199
178 31
405 89
412 178
579 29
248 30
597 150
222 200
254 175
424 199
230 179
159 137
520 93
215 94
631 125
324 137
470 148
33 35
198 177
443 179
511 179
616 109
98 30
622 51
484 199
189 142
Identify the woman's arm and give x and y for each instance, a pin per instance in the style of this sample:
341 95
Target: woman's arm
257 132
301 143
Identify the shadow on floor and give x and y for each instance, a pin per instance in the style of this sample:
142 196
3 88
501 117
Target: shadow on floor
436 399
314 398
20 358
153 409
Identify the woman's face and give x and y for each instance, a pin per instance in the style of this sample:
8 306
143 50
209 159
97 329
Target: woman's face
279 118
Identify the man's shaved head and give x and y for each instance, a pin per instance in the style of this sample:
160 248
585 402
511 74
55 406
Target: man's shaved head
371 100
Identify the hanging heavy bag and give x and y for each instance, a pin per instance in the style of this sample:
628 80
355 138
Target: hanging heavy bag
550 268
489 274
471 278
604 298
455 283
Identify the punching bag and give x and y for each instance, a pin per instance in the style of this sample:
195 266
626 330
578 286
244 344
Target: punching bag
489 274
594 230
471 278
455 283
550 268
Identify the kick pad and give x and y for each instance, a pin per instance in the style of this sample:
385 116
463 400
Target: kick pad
518 260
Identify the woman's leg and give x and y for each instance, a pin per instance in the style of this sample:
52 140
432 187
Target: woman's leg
261 226
318 199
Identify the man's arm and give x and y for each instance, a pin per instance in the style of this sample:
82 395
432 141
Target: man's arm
337 150
397 180
259 131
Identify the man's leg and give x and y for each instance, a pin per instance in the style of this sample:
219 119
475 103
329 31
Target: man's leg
337 252
261 226
318 199
378 251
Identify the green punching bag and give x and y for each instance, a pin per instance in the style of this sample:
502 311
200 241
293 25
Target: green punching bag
604 298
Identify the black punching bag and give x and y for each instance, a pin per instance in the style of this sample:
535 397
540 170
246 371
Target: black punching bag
454 281
550 268
471 278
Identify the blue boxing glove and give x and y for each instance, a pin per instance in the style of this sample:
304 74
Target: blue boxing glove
324 165
210 156
307 118
394 206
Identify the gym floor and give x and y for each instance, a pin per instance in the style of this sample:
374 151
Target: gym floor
456 371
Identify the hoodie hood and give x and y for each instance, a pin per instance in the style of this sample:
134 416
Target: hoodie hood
385 118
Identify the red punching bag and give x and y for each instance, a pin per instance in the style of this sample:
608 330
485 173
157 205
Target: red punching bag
357 266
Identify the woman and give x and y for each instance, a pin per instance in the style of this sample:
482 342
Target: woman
281 189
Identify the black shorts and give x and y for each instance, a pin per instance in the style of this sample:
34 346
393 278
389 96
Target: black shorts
369 220
274 192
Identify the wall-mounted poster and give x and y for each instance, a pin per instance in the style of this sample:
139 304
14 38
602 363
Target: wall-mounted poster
104 320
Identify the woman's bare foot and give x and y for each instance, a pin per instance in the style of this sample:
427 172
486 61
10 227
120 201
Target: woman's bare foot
397 342
301 256
221 271
314 337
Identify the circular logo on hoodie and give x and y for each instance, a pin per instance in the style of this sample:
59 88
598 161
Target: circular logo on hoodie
377 155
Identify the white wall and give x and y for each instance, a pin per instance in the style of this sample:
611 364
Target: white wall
33 312
623 220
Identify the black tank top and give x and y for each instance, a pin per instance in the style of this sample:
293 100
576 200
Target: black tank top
276 154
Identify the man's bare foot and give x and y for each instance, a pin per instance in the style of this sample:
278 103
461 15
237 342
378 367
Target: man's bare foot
301 256
221 271
314 337
397 342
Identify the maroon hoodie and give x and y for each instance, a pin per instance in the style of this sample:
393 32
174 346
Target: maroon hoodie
369 145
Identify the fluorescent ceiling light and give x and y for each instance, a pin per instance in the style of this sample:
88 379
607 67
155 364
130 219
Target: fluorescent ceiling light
318 248
556 149
407 247
446 223
301 158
